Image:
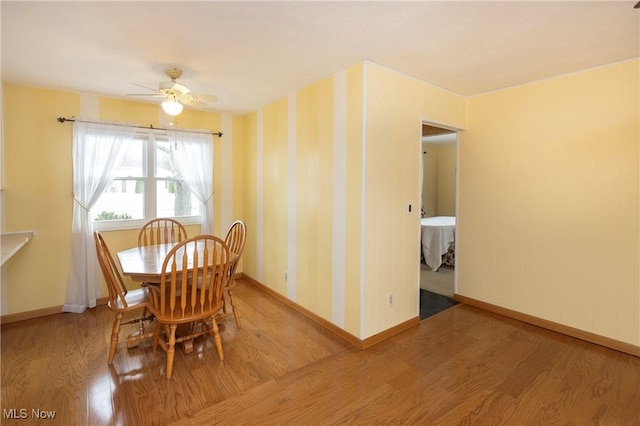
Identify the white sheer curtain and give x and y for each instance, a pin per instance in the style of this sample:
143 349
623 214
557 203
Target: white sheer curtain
194 158
98 148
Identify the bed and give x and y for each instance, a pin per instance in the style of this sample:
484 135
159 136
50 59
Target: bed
438 240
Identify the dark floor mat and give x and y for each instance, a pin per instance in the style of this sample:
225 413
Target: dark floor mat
432 303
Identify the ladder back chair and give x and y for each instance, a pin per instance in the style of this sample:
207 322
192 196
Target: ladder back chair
235 239
190 293
121 300
161 231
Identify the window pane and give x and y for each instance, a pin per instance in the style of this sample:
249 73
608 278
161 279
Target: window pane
132 165
123 199
165 161
175 199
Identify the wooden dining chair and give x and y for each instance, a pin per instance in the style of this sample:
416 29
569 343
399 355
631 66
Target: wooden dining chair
160 231
121 300
235 239
190 293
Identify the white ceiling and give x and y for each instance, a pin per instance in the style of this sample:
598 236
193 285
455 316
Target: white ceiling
252 53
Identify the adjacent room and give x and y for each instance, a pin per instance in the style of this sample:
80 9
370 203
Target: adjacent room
438 218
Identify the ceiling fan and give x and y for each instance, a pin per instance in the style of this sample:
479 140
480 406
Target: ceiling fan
176 95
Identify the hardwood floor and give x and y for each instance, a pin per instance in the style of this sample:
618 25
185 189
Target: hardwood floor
462 366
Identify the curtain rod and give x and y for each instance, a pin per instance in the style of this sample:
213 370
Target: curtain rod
63 119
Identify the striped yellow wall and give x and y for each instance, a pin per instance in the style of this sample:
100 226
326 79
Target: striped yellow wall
236 209
549 201
289 155
274 189
266 182
250 193
238 167
314 197
380 114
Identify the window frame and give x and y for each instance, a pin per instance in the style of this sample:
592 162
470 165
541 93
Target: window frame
149 160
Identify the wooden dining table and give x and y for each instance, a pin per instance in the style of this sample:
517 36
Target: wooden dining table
144 264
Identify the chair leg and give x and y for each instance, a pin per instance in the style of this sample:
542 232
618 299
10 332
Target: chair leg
156 337
171 349
224 304
115 332
215 332
234 308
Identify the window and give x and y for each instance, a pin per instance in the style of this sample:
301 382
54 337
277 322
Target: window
147 184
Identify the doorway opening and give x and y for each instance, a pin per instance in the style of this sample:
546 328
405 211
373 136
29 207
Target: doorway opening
439 158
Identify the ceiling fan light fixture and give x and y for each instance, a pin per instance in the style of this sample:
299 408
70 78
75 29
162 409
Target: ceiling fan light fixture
172 107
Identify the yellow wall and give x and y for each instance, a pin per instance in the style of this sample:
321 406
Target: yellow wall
314 154
355 120
439 181
37 163
396 107
38 171
548 218
274 225
266 182
447 160
314 179
430 179
237 187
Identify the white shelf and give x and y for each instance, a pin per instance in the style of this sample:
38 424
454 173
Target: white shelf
14 241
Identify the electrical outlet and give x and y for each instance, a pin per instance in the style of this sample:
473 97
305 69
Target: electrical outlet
390 300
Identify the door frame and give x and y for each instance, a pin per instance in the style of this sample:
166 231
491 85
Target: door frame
446 130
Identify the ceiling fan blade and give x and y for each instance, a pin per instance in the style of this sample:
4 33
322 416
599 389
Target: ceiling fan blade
205 98
145 87
177 87
194 103
172 86
150 95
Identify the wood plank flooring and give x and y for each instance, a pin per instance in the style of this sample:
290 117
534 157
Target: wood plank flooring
462 366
